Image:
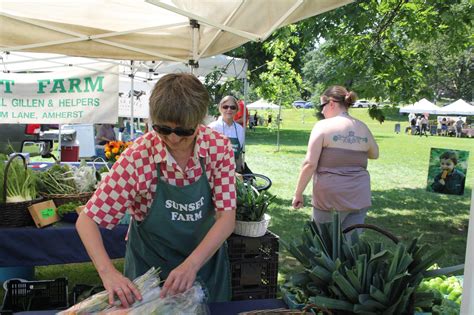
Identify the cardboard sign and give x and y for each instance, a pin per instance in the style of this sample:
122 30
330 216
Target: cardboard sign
44 213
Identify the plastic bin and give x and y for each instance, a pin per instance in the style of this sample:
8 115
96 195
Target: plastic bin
243 247
35 295
26 273
255 279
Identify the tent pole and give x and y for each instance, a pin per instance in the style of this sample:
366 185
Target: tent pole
467 305
245 116
278 126
59 141
132 92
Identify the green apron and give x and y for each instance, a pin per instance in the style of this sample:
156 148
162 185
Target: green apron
178 220
237 148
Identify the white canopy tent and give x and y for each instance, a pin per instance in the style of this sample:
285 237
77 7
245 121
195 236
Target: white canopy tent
175 30
422 106
262 104
459 107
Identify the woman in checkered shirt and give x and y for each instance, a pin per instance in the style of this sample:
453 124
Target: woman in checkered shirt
178 184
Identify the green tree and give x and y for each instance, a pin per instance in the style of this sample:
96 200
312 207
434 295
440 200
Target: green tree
370 45
282 81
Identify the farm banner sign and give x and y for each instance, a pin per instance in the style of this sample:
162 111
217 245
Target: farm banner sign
60 97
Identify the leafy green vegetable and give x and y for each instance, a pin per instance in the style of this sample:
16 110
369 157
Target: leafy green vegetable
251 205
21 183
58 179
355 275
68 207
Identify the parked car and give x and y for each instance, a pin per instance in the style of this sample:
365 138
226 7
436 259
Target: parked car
303 104
363 103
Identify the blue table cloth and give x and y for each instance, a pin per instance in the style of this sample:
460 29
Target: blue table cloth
223 308
58 244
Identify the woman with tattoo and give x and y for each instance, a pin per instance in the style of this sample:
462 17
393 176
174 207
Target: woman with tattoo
337 154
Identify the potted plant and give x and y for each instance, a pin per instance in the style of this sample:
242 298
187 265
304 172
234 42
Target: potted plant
251 219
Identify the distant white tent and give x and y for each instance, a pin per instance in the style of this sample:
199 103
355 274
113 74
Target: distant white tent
460 107
262 104
422 106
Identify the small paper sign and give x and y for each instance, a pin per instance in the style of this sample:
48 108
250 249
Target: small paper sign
47 213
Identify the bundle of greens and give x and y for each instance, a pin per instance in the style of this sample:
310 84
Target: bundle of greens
59 179
356 276
21 183
251 204
98 303
68 207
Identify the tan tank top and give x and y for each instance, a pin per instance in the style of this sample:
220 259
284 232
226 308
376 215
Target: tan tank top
341 181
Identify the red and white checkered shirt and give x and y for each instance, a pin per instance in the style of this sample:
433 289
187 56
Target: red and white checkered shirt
132 181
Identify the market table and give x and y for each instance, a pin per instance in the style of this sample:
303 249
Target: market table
58 244
224 308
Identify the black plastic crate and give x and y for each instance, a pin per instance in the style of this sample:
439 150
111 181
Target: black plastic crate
251 279
254 294
35 295
243 247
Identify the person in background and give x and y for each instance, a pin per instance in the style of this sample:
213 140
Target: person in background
178 184
444 127
450 180
336 159
413 125
255 118
226 125
424 125
239 116
458 126
105 134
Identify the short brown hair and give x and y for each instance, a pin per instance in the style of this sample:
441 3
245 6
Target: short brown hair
340 94
449 155
179 98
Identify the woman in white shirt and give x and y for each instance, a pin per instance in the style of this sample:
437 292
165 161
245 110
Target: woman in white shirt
226 125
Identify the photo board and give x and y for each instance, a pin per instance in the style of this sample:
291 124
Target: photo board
447 171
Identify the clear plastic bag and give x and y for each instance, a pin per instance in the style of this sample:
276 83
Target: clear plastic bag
192 301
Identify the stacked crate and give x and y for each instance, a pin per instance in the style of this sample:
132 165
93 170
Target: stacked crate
254 266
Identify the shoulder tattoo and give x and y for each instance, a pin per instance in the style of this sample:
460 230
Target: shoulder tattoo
350 138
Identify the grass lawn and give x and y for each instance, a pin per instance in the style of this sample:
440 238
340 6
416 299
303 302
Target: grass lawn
401 203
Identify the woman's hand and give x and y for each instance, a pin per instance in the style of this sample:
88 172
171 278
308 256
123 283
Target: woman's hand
180 279
298 201
117 284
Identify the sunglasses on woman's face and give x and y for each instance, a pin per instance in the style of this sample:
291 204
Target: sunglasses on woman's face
226 107
166 131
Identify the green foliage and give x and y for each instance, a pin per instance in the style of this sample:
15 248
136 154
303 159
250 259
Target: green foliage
358 276
251 204
282 81
446 295
20 184
57 180
390 49
68 207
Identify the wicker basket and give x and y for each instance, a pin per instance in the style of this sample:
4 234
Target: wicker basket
252 229
15 214
60 199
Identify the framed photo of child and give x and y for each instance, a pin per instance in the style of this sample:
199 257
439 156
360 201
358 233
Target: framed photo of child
447 171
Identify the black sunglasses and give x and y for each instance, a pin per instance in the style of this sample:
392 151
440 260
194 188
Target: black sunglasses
181 132
231 107
323 104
